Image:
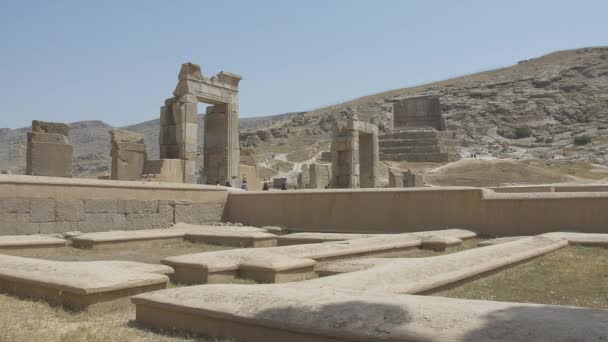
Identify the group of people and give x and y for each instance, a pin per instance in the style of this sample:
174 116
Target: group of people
245 185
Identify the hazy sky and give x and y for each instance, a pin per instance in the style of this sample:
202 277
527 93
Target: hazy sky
117 61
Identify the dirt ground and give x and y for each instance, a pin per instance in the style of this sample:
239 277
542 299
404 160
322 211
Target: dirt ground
490 173
575 276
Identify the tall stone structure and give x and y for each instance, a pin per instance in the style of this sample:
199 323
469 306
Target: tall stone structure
49 152
304 177
418 112
404 179
128 155
355 156
419 133
319 176
178 136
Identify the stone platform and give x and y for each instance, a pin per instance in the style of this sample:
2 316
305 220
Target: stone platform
373 303
419 145
289 263
29 242
237 236
78 285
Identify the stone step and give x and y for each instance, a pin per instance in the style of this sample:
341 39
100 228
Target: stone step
420 157
411 149
409 142
409 134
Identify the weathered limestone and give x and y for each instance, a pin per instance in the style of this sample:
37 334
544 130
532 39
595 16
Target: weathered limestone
238 236
249 173
319 176
164 170
304 177
355 155
374 304
49 152
404 179
29 242
178 136
332 315
419 133
77 285
288 263
128 155
418 112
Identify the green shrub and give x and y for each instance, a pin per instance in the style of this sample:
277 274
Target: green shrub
523 132
582 140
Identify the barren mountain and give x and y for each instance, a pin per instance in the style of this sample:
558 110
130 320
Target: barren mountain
551 109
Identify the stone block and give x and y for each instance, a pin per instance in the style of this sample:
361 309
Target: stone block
47 138
124 136
70 210
50 127
101 206
18 224
101 222
14 206
57 227
42 210
49 159
146 221
197 213
166 213
141 207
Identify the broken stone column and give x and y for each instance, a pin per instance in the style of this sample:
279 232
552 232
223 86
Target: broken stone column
49 152
404 179
128 155
303 177
320 176
355 155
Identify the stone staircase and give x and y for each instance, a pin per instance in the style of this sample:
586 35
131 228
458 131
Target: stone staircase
419 145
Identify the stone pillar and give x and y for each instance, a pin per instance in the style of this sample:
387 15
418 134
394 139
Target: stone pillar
128 155
304 177
49 152
178 133
320 176
355 155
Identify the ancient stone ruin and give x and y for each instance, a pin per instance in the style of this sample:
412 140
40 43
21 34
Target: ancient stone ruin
49 152
419 132
178 132
128 155
404 179
354 150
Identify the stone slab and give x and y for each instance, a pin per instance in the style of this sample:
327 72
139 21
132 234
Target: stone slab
78 285
288 262
491 242
119 237
30 241
586 239
282 312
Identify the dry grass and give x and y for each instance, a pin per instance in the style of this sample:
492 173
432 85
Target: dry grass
26 320
575 276
574 168
149 252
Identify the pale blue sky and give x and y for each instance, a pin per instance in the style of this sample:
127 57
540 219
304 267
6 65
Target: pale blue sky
117 61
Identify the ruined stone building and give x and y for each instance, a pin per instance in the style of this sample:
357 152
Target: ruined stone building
128 155
178 131
49 152
355 157
419 133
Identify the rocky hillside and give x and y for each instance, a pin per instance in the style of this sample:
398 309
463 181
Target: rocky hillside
537 108
551 108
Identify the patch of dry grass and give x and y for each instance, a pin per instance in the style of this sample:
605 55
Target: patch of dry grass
27 320
283 166
574 275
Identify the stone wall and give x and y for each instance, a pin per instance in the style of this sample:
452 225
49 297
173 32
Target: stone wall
319 176
51 216
490 213
32 205
418 112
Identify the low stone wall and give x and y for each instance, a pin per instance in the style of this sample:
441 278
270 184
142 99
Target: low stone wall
406 210
32 205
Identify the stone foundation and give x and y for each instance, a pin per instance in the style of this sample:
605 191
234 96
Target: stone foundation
421 145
